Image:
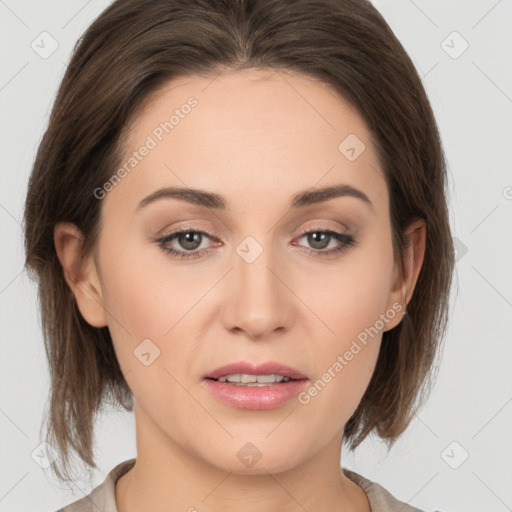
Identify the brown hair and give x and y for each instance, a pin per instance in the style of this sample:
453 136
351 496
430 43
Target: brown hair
136 46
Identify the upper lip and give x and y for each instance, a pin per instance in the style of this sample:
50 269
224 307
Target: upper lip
267 368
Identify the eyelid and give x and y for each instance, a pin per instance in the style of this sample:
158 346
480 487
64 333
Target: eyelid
167 230
321 226
208 229
344 238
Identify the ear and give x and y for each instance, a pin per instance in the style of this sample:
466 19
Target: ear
81 275
405 282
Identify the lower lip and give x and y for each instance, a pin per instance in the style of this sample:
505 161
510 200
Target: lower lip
255 397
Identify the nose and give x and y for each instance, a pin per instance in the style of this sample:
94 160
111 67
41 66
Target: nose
259 300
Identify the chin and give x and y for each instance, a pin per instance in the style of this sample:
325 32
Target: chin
248 458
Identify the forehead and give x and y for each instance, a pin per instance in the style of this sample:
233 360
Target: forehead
261 130
254 101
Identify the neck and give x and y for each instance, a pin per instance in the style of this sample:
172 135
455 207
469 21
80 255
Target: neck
166 476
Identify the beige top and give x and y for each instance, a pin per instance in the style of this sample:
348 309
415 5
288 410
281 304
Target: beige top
102 498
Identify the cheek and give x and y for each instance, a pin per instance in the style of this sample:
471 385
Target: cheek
350 295
345 360
139 292
351 301
148 299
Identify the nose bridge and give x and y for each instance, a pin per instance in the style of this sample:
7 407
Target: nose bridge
258 298
255 267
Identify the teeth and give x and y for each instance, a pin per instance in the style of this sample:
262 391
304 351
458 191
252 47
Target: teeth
244 379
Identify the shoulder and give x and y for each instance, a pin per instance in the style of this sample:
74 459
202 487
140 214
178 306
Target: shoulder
101 497
381 500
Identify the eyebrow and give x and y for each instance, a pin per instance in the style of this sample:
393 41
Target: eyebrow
211 200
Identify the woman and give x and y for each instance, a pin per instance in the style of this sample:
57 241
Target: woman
238 223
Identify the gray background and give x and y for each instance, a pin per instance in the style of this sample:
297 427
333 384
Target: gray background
470 411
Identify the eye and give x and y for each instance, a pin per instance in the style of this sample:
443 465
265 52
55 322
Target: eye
190 240
319 239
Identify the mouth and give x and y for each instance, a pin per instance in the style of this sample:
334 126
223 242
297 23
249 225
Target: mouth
248 380
247 374
255 387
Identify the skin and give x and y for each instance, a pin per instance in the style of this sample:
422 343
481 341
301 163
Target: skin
256 137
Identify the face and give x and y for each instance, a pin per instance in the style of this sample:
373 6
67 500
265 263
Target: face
307 283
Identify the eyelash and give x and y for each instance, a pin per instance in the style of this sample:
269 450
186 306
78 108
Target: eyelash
346 242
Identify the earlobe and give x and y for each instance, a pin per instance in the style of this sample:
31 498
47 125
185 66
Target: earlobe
81 275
